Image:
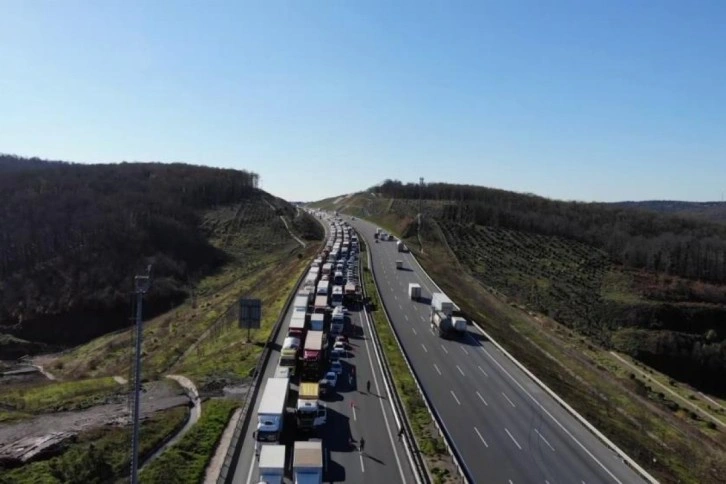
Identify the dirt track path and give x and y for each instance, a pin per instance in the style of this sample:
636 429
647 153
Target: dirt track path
196 412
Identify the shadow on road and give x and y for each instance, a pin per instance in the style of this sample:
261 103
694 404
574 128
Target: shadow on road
367 455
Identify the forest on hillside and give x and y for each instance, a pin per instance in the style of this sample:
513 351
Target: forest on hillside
712 211
649 284
74 236
653 241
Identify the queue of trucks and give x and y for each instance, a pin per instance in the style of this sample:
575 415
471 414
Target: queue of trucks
318 318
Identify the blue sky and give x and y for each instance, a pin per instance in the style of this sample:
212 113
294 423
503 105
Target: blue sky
587 100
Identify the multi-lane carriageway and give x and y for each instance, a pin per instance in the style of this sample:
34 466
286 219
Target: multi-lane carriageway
504 427
352 411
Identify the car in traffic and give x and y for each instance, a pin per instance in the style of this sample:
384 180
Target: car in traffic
338 350
331 379
336 367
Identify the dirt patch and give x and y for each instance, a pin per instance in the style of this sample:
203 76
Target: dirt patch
25 440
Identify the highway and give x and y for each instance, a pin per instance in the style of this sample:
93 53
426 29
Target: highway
505 428
352 412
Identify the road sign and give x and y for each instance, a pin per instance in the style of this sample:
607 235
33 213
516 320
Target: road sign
250 313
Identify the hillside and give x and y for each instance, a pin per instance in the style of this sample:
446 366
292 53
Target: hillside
648 284
77 234
711 211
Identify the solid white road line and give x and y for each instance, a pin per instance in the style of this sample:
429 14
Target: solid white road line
437 369
464 350
510 402
362 467
564 429
252 467
482 370
482 399
513 439
480 437
545 440
460 370
355 417
445 350
424 347
454 395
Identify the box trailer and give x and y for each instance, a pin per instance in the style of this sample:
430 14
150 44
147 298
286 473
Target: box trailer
441 302
317 322
414 291
272 464
271 412
313 356
307 463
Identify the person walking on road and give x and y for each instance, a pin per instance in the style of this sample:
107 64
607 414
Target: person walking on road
400 433
368 386
362 445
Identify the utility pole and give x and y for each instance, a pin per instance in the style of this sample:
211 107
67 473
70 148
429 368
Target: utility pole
420 204
142 284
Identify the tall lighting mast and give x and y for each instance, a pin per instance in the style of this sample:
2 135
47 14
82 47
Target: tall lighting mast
142 284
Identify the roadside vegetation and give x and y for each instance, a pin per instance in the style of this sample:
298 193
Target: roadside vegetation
561 304
100 455
431 444
186 460
58 396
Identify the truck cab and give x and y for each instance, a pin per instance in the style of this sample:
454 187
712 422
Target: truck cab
310 412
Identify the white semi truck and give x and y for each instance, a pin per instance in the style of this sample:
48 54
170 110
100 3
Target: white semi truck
307 464
442 321
271 413
271 464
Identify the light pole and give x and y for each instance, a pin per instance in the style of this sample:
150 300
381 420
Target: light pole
142 284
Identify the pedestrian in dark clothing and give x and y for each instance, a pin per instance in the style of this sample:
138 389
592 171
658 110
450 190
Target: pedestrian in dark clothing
368 386
362 444
400 433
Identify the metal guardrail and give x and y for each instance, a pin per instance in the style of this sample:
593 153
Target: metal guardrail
438 421
232 458
415 453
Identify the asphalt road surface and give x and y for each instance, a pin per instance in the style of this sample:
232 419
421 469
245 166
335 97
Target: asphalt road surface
352 412
505 428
